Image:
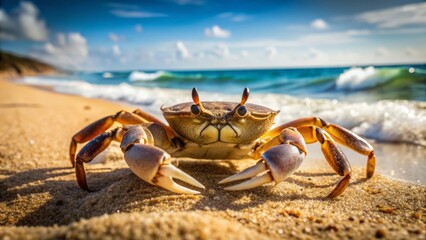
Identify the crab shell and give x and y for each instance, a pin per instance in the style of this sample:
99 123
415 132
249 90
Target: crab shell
220 122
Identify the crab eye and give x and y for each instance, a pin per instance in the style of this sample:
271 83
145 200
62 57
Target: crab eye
242 111
195 109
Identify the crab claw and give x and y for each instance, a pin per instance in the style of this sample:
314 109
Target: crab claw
275 165
152 165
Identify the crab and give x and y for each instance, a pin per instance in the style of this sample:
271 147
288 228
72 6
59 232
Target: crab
217 130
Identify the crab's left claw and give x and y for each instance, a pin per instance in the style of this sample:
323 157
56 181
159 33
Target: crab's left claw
153 165
275 165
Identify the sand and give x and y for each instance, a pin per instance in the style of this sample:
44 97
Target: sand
39 196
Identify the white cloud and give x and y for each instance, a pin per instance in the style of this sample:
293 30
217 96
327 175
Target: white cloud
135 14
116 50
401 31
138 28
319 24
234 17
200 55
68 51
306 41
217 32
326 38
358 32
61 39
271 52
408 14
131 11
221 51
23 23
393 31
182 51
115 38
244 54
329 38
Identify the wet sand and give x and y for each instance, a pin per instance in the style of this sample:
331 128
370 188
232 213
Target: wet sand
39 196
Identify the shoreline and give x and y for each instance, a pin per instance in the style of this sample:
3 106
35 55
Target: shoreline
407 161
38 188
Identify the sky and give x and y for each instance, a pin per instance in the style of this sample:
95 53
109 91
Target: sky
214 34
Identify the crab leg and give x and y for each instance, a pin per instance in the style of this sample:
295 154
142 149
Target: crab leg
94 129
284 154
340 134
148 162
91 150
336 159
148 117
355 142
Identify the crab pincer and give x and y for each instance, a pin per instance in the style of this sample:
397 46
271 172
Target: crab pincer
276 163
148 162
152 164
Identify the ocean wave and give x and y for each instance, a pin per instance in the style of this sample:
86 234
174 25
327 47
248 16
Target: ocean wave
107 75
357 78
373 83
386 120
164 76
144 76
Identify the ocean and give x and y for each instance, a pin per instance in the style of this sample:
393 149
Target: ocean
385 104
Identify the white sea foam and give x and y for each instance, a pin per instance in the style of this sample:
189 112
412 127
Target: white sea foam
387 120
107 75
357 78
143 76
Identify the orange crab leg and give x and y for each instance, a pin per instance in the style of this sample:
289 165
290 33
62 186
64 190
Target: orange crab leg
148 117
99 126
340 134
355 142
94 129
309 121
91 150
336 159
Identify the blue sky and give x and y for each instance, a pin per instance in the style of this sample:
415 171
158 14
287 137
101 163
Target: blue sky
207 34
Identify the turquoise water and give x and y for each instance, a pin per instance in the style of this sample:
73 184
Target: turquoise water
385 104
372 83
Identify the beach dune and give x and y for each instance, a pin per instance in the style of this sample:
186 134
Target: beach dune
40 198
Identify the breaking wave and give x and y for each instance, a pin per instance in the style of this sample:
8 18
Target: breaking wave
372 82
144 76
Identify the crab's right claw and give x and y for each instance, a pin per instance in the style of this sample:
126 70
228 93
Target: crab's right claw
276 164
152 165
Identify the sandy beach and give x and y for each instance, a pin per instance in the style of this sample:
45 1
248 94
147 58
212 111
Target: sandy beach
40 198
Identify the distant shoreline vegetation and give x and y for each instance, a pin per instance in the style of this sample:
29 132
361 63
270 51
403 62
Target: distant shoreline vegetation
12 65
